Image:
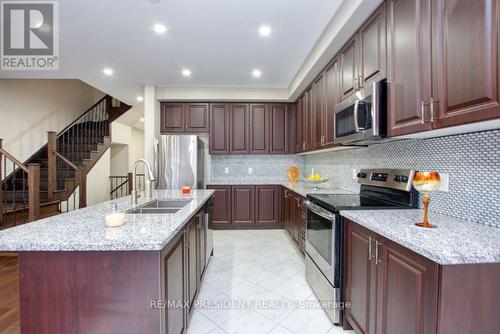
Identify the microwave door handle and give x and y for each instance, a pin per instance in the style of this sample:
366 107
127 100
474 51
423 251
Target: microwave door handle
356 125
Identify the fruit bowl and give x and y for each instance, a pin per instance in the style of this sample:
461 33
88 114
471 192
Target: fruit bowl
315 182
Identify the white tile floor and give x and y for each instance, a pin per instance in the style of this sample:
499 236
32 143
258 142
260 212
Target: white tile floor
254 284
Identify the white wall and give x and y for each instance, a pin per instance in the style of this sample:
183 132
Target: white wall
124 136
98 180
30 108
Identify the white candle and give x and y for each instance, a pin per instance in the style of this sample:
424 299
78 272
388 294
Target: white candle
115 219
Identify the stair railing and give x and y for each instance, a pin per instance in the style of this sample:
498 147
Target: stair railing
29 199
122 185
80 182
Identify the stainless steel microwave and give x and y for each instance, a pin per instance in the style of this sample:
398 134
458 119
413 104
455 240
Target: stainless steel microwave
362 118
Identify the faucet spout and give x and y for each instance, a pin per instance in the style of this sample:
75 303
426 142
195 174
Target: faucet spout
150 178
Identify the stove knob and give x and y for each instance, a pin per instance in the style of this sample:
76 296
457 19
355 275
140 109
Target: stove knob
401 178
361 175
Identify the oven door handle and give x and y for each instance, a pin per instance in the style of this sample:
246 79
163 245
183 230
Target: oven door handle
320 211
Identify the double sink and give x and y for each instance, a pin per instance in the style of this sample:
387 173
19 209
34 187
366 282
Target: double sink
160 207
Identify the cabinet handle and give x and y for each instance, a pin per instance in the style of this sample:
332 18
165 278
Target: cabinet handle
422 111
369 248
360 80
304 145
433 100
377 260
355 84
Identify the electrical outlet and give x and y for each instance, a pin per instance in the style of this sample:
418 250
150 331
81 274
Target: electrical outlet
226 170
250 170
445 182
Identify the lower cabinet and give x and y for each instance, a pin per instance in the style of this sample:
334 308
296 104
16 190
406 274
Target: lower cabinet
393 290
183 265
246 206
294 219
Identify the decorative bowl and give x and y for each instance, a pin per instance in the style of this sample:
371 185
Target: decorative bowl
316 182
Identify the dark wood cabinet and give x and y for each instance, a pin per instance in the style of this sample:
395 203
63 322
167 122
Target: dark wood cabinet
279 128
319 107
221 212
239 129
409 66
192 262
267 203
242 205
172 118
174 287
219 128
197 117
348 57
201 246
372 48
259 128
184 117
308 121
294 220
331 100
390 288
465 62
299 125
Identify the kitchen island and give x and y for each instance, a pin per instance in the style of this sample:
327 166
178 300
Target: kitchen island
78 276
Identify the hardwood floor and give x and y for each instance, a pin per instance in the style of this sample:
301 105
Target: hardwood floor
9 295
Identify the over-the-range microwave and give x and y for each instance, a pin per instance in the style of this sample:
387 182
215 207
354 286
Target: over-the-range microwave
362 118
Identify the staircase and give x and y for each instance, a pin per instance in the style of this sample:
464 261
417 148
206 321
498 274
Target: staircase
53 180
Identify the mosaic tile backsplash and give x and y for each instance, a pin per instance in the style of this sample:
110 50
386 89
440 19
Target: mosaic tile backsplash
471 160
264 167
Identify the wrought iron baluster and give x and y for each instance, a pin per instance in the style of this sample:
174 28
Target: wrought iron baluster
14 203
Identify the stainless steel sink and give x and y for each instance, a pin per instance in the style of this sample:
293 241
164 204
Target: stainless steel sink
160 207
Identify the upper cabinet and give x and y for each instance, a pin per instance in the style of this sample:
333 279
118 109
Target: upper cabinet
465 60
259 128
299 127
239 129
219 128
184 117
409 75
279 129
445 76
349 68
331 99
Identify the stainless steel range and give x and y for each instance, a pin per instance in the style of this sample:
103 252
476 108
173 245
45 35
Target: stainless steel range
380 189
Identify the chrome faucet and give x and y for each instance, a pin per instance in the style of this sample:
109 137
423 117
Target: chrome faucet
150 178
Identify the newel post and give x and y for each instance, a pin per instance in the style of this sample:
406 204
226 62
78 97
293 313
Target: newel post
1 183
82 186
33 191
52 163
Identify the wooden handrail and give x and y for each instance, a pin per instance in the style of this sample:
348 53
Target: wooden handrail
66 160
33 171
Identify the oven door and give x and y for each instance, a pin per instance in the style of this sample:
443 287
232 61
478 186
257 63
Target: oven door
322 239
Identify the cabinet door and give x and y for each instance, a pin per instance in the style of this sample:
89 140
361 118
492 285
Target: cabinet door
196 117
219 129
360 279
172 118
240 137
299 127
296 219
349 68
221 211
201 246
267 205
372 48
242 198
173 267
259 128
331 99
318 110
309 121
286 210
409 56
280 128
192 262
466 76
407 291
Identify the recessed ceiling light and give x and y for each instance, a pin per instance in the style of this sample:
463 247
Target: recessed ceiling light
265 30
160 28
140 98
186 72
256 73
107 71
142 119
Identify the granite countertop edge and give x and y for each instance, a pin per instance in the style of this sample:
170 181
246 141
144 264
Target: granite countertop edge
453 242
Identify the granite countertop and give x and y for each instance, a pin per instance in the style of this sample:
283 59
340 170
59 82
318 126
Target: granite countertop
84 229
454 241
301 188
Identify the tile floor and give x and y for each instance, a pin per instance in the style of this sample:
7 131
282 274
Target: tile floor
255 284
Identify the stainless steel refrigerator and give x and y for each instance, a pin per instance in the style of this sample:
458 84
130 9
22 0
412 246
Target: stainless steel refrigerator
180 162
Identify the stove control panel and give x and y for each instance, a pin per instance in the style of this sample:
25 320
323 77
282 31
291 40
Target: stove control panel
389 178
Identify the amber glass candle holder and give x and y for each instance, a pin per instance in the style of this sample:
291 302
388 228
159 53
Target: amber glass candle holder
426 183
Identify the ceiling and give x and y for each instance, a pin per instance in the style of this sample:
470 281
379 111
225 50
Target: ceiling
217 40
